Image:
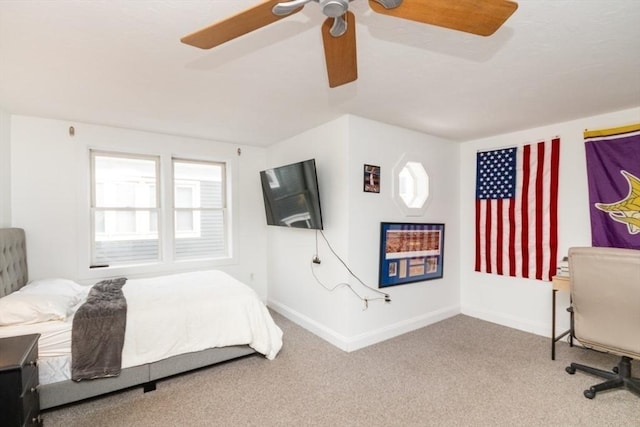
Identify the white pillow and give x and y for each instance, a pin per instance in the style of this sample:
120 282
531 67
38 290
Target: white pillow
26 308
63 287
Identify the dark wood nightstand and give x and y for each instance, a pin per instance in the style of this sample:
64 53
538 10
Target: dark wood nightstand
19 398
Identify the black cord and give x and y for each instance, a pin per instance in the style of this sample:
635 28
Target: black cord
346 266
341 284
316 260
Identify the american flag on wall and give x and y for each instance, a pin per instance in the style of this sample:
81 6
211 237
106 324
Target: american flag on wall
517 210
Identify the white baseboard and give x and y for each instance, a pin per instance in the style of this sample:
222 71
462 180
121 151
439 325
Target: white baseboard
509 321
349 344
382 334
309 324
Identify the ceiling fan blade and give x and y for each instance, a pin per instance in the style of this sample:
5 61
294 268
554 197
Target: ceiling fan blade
481 17
237 25
340 52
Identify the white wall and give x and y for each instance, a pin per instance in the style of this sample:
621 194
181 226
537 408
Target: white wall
292 288
5 169
50 194
352 226
523 303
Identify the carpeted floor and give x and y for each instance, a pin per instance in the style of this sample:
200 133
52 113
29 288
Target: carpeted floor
458 372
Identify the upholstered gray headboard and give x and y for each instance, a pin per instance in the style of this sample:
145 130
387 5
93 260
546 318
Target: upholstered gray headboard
13 260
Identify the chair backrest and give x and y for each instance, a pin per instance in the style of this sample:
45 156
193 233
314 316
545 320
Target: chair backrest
605 296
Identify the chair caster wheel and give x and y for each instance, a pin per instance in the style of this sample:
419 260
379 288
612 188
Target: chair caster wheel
570 369
589 394
615 369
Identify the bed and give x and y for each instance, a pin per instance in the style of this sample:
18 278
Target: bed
167 332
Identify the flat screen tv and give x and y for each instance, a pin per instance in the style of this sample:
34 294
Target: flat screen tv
291 197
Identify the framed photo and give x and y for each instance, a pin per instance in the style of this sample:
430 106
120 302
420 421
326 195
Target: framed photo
371 179
410 252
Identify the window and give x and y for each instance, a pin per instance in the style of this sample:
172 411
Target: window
131 226
124 209
411 187
200 209
414 185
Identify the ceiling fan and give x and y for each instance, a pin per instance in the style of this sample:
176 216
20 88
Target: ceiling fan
481 17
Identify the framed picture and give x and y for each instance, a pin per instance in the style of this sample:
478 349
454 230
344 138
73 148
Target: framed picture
410 252
371 179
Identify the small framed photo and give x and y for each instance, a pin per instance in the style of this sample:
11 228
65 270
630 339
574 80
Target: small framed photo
410 252
371 179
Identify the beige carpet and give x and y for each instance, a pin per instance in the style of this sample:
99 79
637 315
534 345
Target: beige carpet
458 372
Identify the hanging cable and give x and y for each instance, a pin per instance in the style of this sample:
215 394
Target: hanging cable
343 284
316 260
346 266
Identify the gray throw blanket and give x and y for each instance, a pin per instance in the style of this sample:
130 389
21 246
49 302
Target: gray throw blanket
97 336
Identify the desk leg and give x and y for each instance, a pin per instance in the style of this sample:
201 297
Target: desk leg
571 326
555 338
553 324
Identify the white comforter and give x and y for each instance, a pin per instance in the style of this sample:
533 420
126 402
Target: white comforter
187 312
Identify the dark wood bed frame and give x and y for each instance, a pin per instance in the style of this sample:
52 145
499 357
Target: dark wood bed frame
14 274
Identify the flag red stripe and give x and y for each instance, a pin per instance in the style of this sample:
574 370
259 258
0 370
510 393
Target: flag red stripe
478 209
539 211
512 238
524 217
499 237
488 236
553 208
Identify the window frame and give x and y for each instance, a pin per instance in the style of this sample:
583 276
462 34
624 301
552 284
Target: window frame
167 261
93 153
224 208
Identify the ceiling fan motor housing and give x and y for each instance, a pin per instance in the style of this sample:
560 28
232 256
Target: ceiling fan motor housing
334 8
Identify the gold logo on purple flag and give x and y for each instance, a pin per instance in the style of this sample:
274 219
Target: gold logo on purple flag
627 210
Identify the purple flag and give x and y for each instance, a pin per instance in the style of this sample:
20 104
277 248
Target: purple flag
613 172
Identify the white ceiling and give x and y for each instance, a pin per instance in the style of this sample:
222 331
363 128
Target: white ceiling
120 63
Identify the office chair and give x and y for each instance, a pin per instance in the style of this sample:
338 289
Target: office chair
605 306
